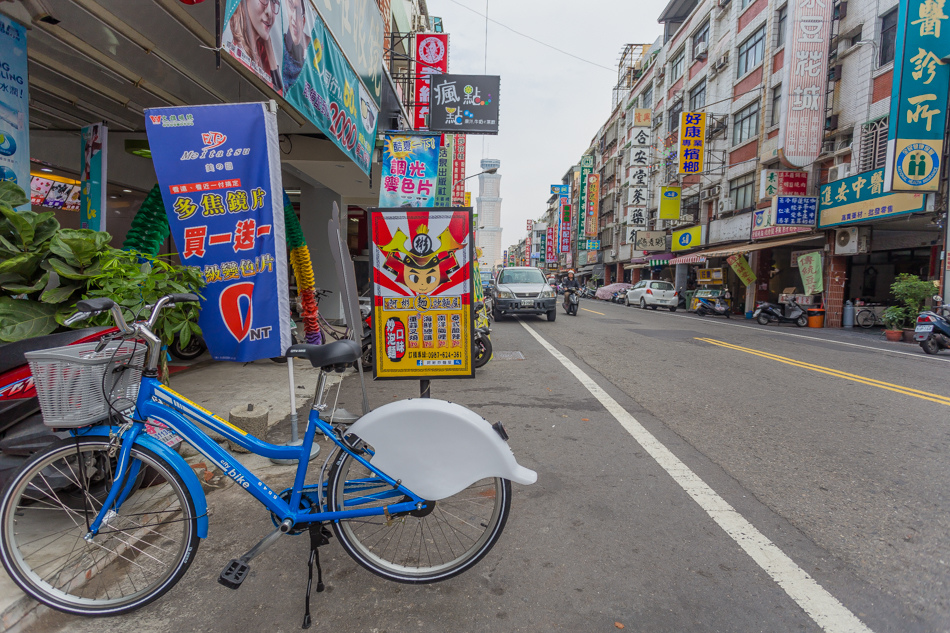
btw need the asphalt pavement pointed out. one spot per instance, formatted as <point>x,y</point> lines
<point>694,474</point>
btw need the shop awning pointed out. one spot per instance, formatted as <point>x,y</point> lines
<point>659,260</point>
<point>758,246</point>
<point>632,266</point>
<point>688,259</point>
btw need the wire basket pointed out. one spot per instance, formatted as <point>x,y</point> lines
<point>69,381</point>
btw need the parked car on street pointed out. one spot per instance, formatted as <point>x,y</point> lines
<point>523,290</point>
<point>652,293</point>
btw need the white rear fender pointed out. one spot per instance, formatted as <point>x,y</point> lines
<point>437,448</point>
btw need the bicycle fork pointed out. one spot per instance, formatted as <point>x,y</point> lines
<point>122,480</point>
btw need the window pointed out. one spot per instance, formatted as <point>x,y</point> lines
<point>745,123</point>
<point>697,97</point>
<point>744,3</point>
<point>873,144</point>
<point>751,51</point>
<point>647,97</point>
<point>661,285</point>
<point>741,190</point>
<point>776,105</point>
<point>533,276</point>
<point>675,113</point>
<point>701,37</point>
<point>888,36</point>
<point>678,65</point>
<point>780,19</point>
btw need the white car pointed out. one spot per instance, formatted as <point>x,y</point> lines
<point>652,293</point>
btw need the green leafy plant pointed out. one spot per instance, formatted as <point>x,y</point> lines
<point>913,292</point>
<point>896,317</point>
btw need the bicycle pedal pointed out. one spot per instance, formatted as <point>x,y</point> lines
<point>234,574</point>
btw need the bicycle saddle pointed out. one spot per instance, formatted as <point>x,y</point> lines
<point>325,356</point>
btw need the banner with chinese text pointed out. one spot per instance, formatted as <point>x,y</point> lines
<point>93,161</point>
<point>444,184</point>
<point>14,106</point>
<point>918,115</point>
<point>587,167</point>
<point>775,182</point>
<point>809,266</point>
<point>692,137</point>
<point>740,266</point>
<point>550,245</point>
<point>592,210</point>
<point>432,58</point>
<point>795,210</point>
<point>466,104</point>
<point>651,241</point>
<point>458,173</point>
<point>410,169</point>
<point>422,293</point>
<point>218,167</point>
<point>862,197</point>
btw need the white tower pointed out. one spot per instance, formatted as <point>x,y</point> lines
<point>488,208</point>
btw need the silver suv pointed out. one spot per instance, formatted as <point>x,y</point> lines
<point>523,290</point>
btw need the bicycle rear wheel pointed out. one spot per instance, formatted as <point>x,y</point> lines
<point>865,318</point>
<point>436,543</point>
<point>143,548</point>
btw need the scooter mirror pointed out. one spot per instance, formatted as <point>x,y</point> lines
<point>937,298</point>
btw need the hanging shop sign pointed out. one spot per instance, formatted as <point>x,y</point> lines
<point>422,293</point>
<point>465,103</point>
<point>796,254</point>
<point>587,167</point>
<point>94,141</point>
<point>740,266</point>
<point>686,239</point>
<point>432,58</point>
<point>219,175</point>
<point>592,210</point>
<point>709,276</point>
<point>692,136</point>
<point>764,224</point>
<point>468,198</point>
<point>300,59</point>
<point>862,197</point>
<point>642,117</point>
<point>651,241</point>
<point>550,245</point>
<point>805,83</point>
<point>809,266</point>
<point>918,97</point>
<point>55,192</point>
<point>795,210</point>
<point>410,166</point>
<point>777,182</point>
<point>593,245</point>
<point>443,186</point>
<point>670,203</point>
<point>458,172</point>
<point>14,106</point>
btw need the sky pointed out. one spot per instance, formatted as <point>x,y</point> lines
<point>551,104</point>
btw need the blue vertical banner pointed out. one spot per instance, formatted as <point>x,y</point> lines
<point>14,106</point>
<point>218,167</point>
<point>93,161</point>
<point>410,170</point>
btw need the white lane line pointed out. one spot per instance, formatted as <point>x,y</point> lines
<point>920,356</point>
<point>821,606</point>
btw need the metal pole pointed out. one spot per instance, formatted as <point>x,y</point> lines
<point>293,401</point>
<point>946,258</point>
<point>423,388</point>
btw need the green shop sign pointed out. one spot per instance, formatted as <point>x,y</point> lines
<point>861,198</point>
<point>587,166</point>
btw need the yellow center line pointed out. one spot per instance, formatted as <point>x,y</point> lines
<point>916,393</point>
<point>594,311</point>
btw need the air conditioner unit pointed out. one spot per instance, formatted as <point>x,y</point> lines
<point>722,61</point>
<point>726,205</point>
<point>705,194</point>
<point>835,73</point>
<point>852,240</point>
<point>613,253</point>
<point>839,171</point>
<point>700,52</point>
<point>712,71</point>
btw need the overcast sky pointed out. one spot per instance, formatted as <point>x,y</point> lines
<point>551,103</point>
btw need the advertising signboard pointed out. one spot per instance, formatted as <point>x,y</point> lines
<point>458,173</point>
<point>809,266</point>
<point>218,168</point>
<point>587,166</point>
<point>862,197</point>
<point>776,182</point>
<point>299,59</point>
<point>918,97</point>
<point>740,266</point>
<point>670,203</point>
<point>795,210</point>
<point>592,210</point>
<point>432,58</point>
<point>410,169</point>
<point>444,184</point>
<point>92,163</point>
<point>692,137</point>
<point>805,83</point>
<point>465,104</point>
<point>422,293</point>
<point>14,106</point>
<point>550,245</point>
<point>686,239</point>
<point>653,241</point>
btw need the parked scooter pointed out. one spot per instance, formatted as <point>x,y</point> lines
<point>195,348</point>
<point>766,313</point>
<point>717,308</point>
<point>933,327</point>
<point>480,335</point>
<point>571,301</point>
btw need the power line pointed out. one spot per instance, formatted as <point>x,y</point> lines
<point>535,40</point>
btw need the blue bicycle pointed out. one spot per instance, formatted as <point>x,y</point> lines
<point>110,519</point>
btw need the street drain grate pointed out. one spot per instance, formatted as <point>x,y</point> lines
<point>508,356</point>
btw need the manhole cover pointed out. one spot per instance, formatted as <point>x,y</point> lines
<point>508,356</point>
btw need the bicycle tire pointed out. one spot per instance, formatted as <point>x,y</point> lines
<point>866,318</point>
<point>452,534</point>
<point>101,578</point>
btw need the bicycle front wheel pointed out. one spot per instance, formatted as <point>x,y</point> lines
<point>865,318</point>
<point>436,543</point>
<point>144,546</point>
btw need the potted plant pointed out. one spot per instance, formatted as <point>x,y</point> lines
<point>914,293</point>
<point>894,318</point>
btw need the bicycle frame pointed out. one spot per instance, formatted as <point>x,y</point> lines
<point>160,403</point>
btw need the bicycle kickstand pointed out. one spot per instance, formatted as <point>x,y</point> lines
<point>237,569</point>
<point>319,535</point>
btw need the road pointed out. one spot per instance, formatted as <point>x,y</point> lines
<point>694,475</point>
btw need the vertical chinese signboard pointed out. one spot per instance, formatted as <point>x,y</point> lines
<point>740,266</point>
<point>805,83</point>
<point>443,187</point>
<point>218,167</point>
<point>641,148</point>
<point>587,166</point>
<point>410,166</point>
<point>432,58</point>
<point>809,266</point>
<point>422,293</point>
<point>592,208</point>
<point>92,164</point>
<point>458,173</point>
<point>14,106</point>
<point>691,140</point>
<point>550,245</point>
<point>918,97</point>
<point>671,199</point>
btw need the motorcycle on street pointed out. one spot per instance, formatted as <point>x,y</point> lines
<point>571,301</point>
<point>766,313</point>
<point>933,328</point>
<point>717,308</point>
<point>480,335</point>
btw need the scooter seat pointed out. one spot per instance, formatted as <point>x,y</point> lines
<point>12,354</point>
<point>325,356</point>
